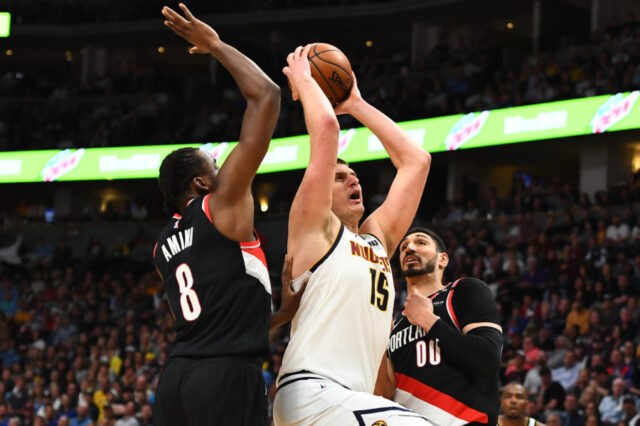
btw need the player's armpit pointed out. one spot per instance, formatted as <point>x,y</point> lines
<point>467,328</point>
<point>485,343</point>
<point>386,381</point>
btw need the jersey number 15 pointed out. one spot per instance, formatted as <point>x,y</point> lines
<point>379,290</point>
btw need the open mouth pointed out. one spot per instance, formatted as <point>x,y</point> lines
<point>355,197</point>
<point>411,260</point>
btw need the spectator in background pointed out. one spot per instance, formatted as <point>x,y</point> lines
<point>552,394</point>
<point>579,316</point>
<point>571,415</point>
<point>128,419</point>
<point>631,416</point>
<point>611,405</point>
<point>567,374</point>
<point>617,232</point>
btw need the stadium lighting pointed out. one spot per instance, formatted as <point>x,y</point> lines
<point>5,24</point>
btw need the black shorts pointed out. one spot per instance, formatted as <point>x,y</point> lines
<point>211,391</point>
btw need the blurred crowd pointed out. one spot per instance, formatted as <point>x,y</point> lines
<point>135,102</point>
<point>82,340</point>
<point>61,12</point>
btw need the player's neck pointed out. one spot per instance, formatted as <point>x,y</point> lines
<point>351,225</point>
<point>504,421</point>
<point>426,284</point>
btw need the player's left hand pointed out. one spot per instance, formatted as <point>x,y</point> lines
<point>290,298</point>
<point>202,36</point>
<point>419,310</point>
<point>346,106</point>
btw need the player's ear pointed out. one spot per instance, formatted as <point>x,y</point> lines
<point>201,184</point>
<point>444,260</point>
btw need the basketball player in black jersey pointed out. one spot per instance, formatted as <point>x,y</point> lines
<point>213,268</point>
<point>514,403</point>
<point>444,351</point>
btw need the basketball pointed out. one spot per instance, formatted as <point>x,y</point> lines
<point>331,70</point>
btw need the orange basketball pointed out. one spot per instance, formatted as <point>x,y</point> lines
<point>331,69</point>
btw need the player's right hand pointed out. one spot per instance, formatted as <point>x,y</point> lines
<point>202,36</point>
<point>419,310</point>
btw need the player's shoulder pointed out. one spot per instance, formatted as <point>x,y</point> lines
<point>470,284</point>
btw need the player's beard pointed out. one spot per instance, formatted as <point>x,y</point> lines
<point>428,268</point>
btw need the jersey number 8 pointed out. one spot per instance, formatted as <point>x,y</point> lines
<point>188,298</point>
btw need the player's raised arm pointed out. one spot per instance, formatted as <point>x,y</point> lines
<point>263,103</point>
<point>392,219</point>
<point>310,213</point>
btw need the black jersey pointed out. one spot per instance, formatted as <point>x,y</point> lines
<point>426,381</point>
<point>218,289</point>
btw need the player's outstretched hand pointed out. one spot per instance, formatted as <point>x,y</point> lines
<point>297,68</point>
<point>202,36</point>
<point>347,106</point>
<point>419,310</point>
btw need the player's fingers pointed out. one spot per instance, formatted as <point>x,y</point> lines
<point>286,266</point>
<point>186,12</point>
<point>305,50</point>
<point>196,49</point>
<point>173,16</point>
<point>286,71</point>
<point>298,51</point>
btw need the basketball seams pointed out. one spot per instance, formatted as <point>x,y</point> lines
<point>325,80</point>
<point>335,65</point>
<point>320,53</point>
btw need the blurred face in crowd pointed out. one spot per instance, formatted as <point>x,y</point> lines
<point>629,408</point>
<point>513,401</point>
<point>569,360</point>
<point>570,403</point>
<point>618,387</point>
<point>553,420</point>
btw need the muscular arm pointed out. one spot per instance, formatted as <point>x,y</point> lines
<point>312,226</point>
<point>485,343</point>
<point>392,219</point>
<point>480,335</point>
<point>233,201</point>
<point>386,381</point>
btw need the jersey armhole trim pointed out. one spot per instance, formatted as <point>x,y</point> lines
<point>205,207</point>
<point>450,310</point>
<point>331,249</point>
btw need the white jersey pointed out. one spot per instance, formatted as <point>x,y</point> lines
<point>342,326</point>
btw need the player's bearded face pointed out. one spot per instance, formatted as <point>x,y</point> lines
<point>418,255</point>
<point>421,267</point>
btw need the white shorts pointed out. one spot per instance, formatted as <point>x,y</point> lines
<point>309,399</point>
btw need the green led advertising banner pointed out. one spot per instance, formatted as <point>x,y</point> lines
<point>474,130</point>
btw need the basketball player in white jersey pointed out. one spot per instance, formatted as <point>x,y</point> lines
<point>340,332</point>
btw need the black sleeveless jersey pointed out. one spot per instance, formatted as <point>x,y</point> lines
<point>218,289</point>
<point>426,381</point>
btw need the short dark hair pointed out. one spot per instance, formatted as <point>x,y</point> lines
<point>544,371</point>
<point>176,171</point>
<point>341,161</point>
<point>440,246</point>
